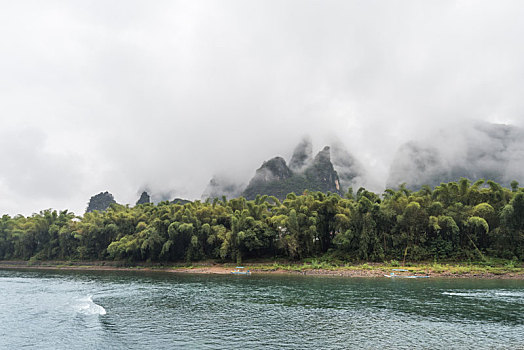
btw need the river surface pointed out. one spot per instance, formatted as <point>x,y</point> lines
<point>139,310</point>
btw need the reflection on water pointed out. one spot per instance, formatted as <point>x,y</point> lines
<point>115,310</point>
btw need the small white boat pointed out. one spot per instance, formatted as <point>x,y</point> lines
<point>239,270</point>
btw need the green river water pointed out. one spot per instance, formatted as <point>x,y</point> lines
<point>139,310</point>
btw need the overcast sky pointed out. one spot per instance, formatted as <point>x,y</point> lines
<point>125,95</point>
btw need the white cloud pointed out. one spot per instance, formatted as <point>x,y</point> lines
<point>127,94</point>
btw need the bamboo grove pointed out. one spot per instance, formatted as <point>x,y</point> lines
<point>454,221</point>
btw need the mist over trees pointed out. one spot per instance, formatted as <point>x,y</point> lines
<point>475,150</point>
<point>454,221</point>
<point>479,150</point>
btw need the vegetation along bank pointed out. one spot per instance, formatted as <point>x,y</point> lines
<point>457,221</point>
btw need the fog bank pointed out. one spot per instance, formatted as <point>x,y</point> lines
<point>127,95</point>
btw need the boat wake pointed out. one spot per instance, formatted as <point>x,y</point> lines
<point>514,296</point>
<point>86,306</point>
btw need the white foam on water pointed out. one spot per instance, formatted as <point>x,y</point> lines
<point>86,306</point>
<point>511,294</point>
<point>489,294</point>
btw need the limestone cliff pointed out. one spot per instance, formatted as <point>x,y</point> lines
<point>100,202</point>
<point>144,198</point>
<point>275,178</point>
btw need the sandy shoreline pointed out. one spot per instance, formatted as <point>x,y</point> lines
<point>218,269</point>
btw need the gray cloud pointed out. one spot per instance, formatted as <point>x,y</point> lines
<point>32,175</point>
<point>473,150</point>
<point>124,95</point>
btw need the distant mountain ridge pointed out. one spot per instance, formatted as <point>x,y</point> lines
<point>277,178</point>
<point>480,150</point>
<point>476,150</point>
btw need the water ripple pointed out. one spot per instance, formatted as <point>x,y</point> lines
<point>56,310</point>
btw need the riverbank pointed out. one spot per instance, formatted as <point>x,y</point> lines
<point>307,269</point>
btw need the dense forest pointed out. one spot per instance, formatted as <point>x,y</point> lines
<point>454,221</point>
